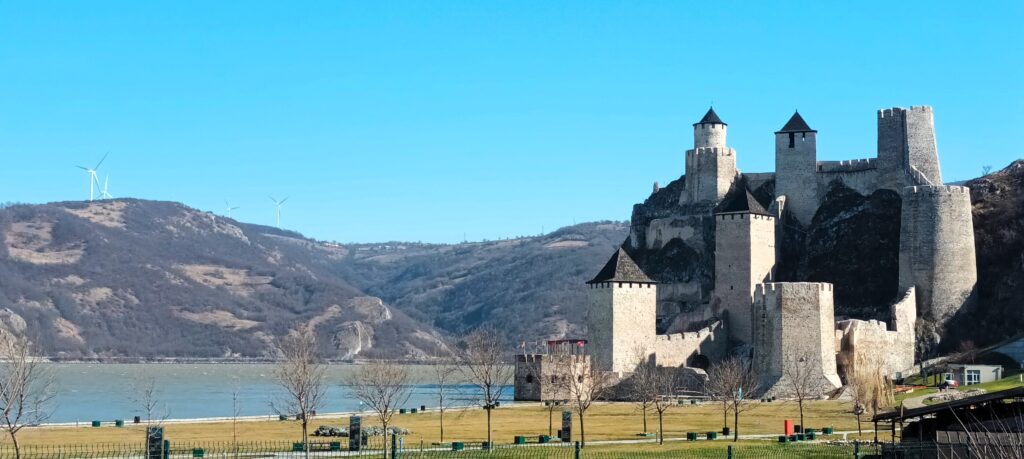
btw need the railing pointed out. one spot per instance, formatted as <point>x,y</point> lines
<point>374,448</point>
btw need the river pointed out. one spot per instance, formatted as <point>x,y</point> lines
<point>86,392</point>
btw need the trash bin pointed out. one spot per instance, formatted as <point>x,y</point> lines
<point>413,411</point>
<point>520,440</point>
<point>485,445</point>
<point>712,435</point>
<point>725,431</point>
<point>691,436</point>
<point>198,452</point>
<point>423,407</point>
<point>400,411</point>
<point>783,439</point>
<point>282,417</point>
<point>543,439</point>
<point>119,422</point>
<point>95,423</point>
<point>137,419</point>
<point>458,446</point>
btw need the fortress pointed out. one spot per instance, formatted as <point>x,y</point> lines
<point>731,303</point>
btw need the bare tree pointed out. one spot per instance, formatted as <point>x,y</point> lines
<point>444,376</point>
<point>26,387</point>
<point>718,388</point>
<point>485,365</point>
<point>236,410</point>
<point>859,385</point>
<point>384,386</point>
<point>663,384</point>
<point>583,384</point>
<point>800,380</point>
<point>640,384</point>
<point>734,381</point>
<point>144,393</point>
<point>301,374</point>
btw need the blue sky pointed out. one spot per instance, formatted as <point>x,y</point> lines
<point>425,121</point>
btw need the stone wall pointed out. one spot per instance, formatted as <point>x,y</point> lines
<point>794,320</point>
<point>744,257</point>
<point>921,150</point>
<point>796,173</point>
<point>888,349</point>
<point>937,250</point>
<point>709,135</point>
<point>541,377</point>
<point>710,173</point>
<point>906,140</point>
<point>688,348</point>
<point>621,322</point>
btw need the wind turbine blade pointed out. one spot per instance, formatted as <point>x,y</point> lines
<point>101,161</point>
<point>272,199</point>
<point>83,168</point>
<point>283,200</point>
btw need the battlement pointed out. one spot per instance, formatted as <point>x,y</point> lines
<point>691,335</point>
<point>851,165</point>
<point>710,151</point>
<point>618,284</point>
<point>771,287</point>
<point>936,190</point>
<point>899,111</point>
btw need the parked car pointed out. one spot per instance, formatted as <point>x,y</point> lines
<point>949,383</point>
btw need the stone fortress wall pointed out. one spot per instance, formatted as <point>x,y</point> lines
<point>623,326</point>
<point>937,249</point>
<point>794,325</point>
<point>712,320</point>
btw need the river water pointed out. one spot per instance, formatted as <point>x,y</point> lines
<point>105,392</point>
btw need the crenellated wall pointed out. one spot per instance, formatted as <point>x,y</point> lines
<point>794,321</point>
<point>937,250</point>
<point>621,323</point>
<point>744,258</point>
<point>906,140</point>
<point>541,377</point>
<point>683,349</point>
<point>859,341</point>
<point>710,173</point>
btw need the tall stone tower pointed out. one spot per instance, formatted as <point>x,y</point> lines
<point>710,165</point>
<point>622,314</point>
<point>796,162</point>
<point>744,257</point>
<point>907,148</point>
<point>937,250</point>
<point>794,322</point>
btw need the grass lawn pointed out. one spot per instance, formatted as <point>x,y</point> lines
<point>606,421</point>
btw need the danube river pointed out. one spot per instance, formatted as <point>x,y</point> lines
<point>87,392</point>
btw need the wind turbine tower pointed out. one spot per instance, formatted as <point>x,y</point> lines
<point>277,209</point>
<point>228,209</point>
<point>94,181</point>
<point>105,194</point>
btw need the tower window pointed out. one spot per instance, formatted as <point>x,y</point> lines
<point>792,139</point>
<point>529,379</point>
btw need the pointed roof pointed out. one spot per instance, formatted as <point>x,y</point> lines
<point>796,124</point>
<point>621,268</point>
<point>711,118</point>
<point>741,201</point>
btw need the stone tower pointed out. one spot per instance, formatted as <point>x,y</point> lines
<point>794,321</point>
<point>744,257</point>
<point>937,250</point>
<point>710,165</point>
<point>907,152</point>
<point>796,162</point>
<point>622,314</point>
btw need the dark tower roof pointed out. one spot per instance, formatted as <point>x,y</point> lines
<point>621,268</point>
<point>740,200</point>
<point>796,124</point>
<point>711,118</point>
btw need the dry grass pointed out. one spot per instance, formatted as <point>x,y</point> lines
<point>616,421</point>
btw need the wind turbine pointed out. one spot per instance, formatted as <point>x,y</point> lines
<point>94,181</point>
<point>105,194</point>
<point>277,208</point>
<point>228,208</point>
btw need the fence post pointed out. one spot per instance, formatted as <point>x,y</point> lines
<point>856,449</point>
<point>394,446</point>
<point>730,452</point>
<point>577,448</point>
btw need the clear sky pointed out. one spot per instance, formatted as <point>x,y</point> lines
<point>428,120</point>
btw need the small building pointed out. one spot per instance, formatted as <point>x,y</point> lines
<point>541,377</point>
<point>968,374</point>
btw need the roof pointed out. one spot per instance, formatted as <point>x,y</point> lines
<point>796,123</point>
<point>710,118</point>
<point>901,414</point>
<point>740,200</point>
<point>621,268</point>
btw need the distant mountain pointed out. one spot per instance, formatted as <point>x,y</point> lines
<point>529,288</point>
<point>131,278</point>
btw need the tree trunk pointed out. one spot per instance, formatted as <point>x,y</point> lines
<point>305,438</point>
<point>725,413</point>
<point>735,422</point>
<point>489,428</point>
<point>386,442</point>
<point>859,432</point>
<point>800,403</point>
<point>551,414</point>
<point>644,408</point>
<point>583,438</point>
<point>661,429</point>
<point>17,448</point>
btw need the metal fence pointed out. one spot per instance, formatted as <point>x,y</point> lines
<point>374,448</point>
